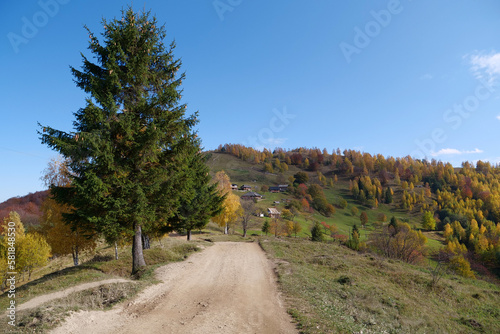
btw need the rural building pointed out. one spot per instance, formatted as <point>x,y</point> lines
<point>279,188</point>
<point>274,189</point>
<point>234,186</point>
<point>246,187</point>
<point>251,195</point>
<point>273,213</point>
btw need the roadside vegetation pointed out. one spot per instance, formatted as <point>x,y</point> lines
<point>329,288</point>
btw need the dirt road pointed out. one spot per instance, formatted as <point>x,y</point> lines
<point>227,288</point>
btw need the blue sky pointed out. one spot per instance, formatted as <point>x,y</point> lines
<point>398,78</point>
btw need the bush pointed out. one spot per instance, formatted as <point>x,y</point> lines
<point>316,233</point>
<point>342,203</point>
<point>461,266</point>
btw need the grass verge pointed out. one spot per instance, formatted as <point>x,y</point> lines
<point>331,289</point>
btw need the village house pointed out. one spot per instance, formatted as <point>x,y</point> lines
<point>251,195</point>
<point>283,187</point>
<point>273,213</point>
<point>274,189</point>
<point>246,187</point>
<point>234,186</point>
<point>279,188</point>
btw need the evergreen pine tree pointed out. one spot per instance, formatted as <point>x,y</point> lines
<point>266,227</point>
<point>316,233</point>
<point>200,199</point>
<point>393,226</point>
<point>131,144</point>
<point>388,196</point>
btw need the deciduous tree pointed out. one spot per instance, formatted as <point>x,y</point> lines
<point>231,207</point>
<point>62,237</point>
<point>248,213</point>
<point>363,217</point>
<point>428,221</point>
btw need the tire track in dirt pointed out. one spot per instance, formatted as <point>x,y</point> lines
<point>228,288</point>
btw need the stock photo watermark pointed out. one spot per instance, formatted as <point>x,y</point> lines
<point>454,117</point>
<point>277,123</point>
<point>363,36</point>
<point>224,6</point>
<point>11,273</point>
<point>30,26</point>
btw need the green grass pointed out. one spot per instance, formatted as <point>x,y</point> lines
<point>331,289</point>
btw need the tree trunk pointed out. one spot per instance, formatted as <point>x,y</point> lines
<point>137,254</point>
<point>189,235</point>
<point>145,241</point>
<point>116,251</point>
<point>75,256</point>
<point>244,233</point>
<point>226,229</point>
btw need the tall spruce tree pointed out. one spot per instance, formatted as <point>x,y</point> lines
<point>201,200</point>
<point>132,143</point>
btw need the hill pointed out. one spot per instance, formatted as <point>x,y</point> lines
<point>28,207</point>
<point>463,201</point>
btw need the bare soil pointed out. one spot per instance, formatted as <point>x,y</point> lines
<point>228,288</point>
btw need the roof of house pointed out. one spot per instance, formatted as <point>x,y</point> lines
<point>283,185</point>
<point>251,194</point>
<point>273,211</point>
<point>274,188</point>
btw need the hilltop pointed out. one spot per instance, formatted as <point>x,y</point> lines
<point>461,206</point>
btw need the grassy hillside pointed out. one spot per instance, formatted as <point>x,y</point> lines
<point>242,172</point>
<point>331,289</point>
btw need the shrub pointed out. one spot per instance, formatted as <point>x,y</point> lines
<point>316,233</point>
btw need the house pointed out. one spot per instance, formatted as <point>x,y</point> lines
<point>251,195</point>
<point>279,188</point>
<point>234,186</point>
<point>273,213</point>
<point>246,187</point>
<point>283,187</point>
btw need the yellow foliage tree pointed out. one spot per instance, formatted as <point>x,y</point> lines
<point>474,229</point>
<point>31,250</point>
<point>232,209</point>
<point>34,252</point>
<point>461,266</point>
<point>297,227</point>
<point>62,239</point>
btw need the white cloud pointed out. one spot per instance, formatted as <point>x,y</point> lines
<point>498,117</point>
<point>426,76</point>
<point>276,141</point>
<point>454,151</point>
<point>270,143</point>
<point>485,66</point>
